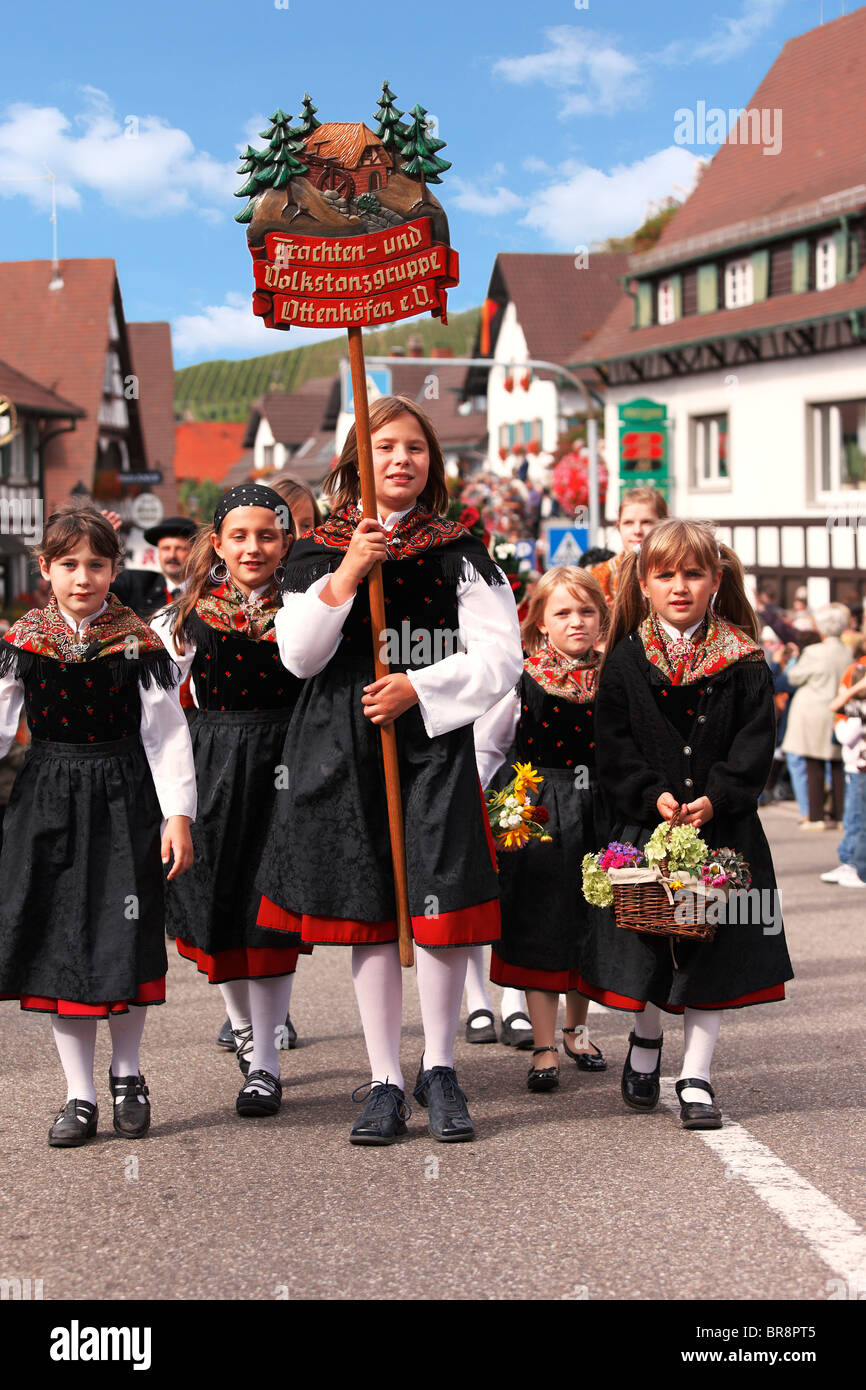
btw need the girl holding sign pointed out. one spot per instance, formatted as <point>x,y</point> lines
<point>453,645</point>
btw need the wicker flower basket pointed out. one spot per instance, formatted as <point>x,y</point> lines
<point>644,901</point>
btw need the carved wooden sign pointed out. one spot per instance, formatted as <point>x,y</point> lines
<point>341,225</point>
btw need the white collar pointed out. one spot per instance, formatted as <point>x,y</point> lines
<point>79,624</point>
<point>391,520</point>
<point>171,585</point>
<point>675,632</point>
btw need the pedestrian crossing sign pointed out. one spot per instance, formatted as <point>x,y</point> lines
<point>566,544</point>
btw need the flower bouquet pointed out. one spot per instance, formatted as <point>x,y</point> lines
<point>665,888</point>
<point>514,821</point>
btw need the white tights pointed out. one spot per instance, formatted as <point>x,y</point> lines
<point>378,979</point>
<point>75,1040</point>
<point>477,997</point>
<point>700,1032</point>
<point>263,1005</point>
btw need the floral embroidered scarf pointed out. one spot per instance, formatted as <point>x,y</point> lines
<point>571,678</point>
<point>414,533</point>
<point>228,609</point>
<point>46,632</point>
<point>713,646</point>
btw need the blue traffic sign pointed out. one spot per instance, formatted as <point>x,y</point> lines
<point>566,544</point>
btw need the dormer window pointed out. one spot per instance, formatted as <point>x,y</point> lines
<point>739,288</point>
<point>825,263</point>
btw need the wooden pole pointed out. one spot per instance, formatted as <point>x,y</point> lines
<point>377,625</point>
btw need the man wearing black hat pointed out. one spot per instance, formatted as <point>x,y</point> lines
<point>145,591</point>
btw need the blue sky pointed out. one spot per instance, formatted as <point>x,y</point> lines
<point>559,122</point>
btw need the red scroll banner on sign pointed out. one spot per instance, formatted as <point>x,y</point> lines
<point>353,281</point>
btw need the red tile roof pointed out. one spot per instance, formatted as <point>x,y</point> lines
<point>454,430</point>
<point>343,141</point>
<point>60,338</point>
<point>29,395</point>
<point>152,363</point>
<point>207,448</point>
<point>292,415</point>
<point>818,83</point>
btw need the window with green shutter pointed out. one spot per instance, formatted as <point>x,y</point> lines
<point>841,239</point>
<point>760,274</point>
<point>644,304</point>
<point>800,267</point>
<point>708,289</point>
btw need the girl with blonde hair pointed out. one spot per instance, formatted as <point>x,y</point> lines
<point>548,721</point>
<point>686,723</point>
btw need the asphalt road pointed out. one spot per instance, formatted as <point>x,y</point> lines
<point>564,1196</point>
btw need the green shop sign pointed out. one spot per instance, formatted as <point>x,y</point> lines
<point>643,445</point>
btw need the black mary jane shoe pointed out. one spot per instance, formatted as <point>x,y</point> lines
<point>586,1061</point>
<point>384,1115</point>
<point>695,1114</point>
<point>521,1038</point>
<point>252,1101</point>
<point>75,1124</point>
<point>487,1034</point>
<point>226,1038</point>
<point>542,1078</point>
<point>288,1036</point>
<point>640,1089</point>
<point>243,1047</point>
<point>448,1118</point>
<point>131,1116</point>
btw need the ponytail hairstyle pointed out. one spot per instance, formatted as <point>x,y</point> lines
<point>667,546</point>
<point>343,483</point>
<point>200,560</point>
<point>579,583</point>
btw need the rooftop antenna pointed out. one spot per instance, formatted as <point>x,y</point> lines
<point>56,281</point>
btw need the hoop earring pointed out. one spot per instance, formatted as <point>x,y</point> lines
<point>280,573</point>
<point>214,575</point>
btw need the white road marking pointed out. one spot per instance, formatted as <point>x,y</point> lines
<point>832,1234</point>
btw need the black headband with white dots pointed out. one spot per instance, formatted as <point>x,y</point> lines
<point>250,495</point>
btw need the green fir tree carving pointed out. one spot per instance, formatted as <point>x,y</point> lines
<point>390,129</point>
<point>308,117</point>
<point>281,162</point>
<point>420,160</point>
<point>251,161</point>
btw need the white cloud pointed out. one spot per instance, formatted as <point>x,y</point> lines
<point>592,74</point>
<point>138,163</point>
<point>482,198</point>
<point>233,326</point>
<point>586,205</point>
<point>729,39</point>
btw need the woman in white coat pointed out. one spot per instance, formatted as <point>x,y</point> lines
<point>816,676</point>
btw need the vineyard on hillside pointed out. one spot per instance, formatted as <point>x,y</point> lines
<point>223,390</point>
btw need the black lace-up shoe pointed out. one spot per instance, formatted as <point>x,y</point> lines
<point>384,1115</point>
<point>75,1124</point>
<point>448,1116</point>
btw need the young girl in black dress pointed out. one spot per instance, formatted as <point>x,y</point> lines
<point>82,925</point>
<point>686,720</point>
<point>548,722</point>
<point>222,632</point>
<point>453,647</point>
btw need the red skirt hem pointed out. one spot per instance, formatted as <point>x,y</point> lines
<point>468,926</point>
<point>152,992</point>
<point>241,962</point>
<point>612,1000</point>
<point>521,977</point>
